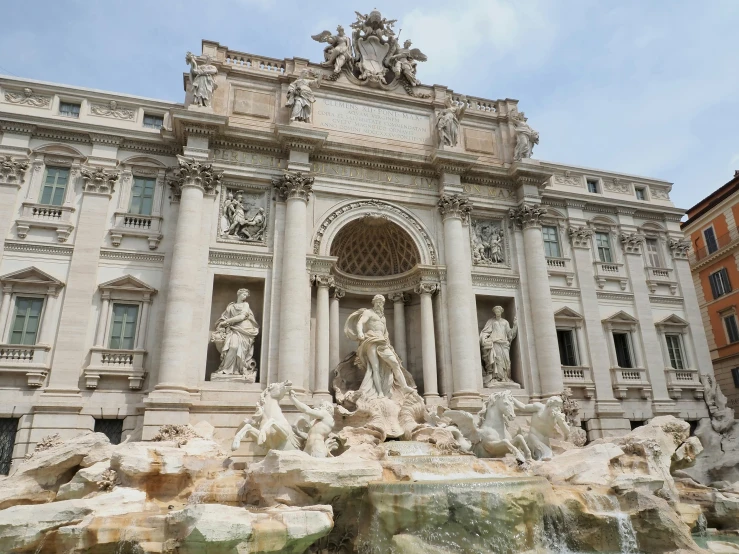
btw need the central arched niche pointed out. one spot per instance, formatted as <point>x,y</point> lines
<point>374,246</point>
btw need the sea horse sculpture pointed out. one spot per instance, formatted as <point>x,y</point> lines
<point>268,426</point>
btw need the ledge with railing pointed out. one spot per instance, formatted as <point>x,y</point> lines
<point>113,362</point>
<point>29,360</point>
<point>719,242</point>
<point>579,377</point>
<point>631,378</point>
<point>680,380</point>
<point>44,216</point>
<point>561,267</point>
<point>148,227</point>
<point>661,276</point>
<point>610,271</point>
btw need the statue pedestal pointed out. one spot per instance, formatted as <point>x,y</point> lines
<point>233,378</point>
<point>201,109</point>
<point>502,385</point>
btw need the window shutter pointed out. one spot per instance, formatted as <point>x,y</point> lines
<point>714,288</point>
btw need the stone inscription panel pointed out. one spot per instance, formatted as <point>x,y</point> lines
<point>360,119</point>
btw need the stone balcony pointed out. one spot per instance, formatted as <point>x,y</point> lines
<point>44,216</point>
<point>657,276</point>
<point>148,227</point>
<point>29,360</point>
<point>610,271</point>
<point>561,267</point>
<point>108,362</point>
<point>681,380</point>
<point>579,377</point>
<point>632,378</point>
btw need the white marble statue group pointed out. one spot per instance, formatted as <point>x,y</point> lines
<point>384,392</point>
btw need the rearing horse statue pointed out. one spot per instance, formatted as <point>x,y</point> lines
<point>268,426</point>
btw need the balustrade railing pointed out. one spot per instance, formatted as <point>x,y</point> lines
<point>252,62</point>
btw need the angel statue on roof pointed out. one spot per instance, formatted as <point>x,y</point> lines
<point>339,49</point>
<point>403,61</point>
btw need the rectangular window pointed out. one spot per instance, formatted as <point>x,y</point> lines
<point>26,320</point>
<point>720,283</point>
<point>567,350</point>
<point>123,328</point>
<point>142,196</point>
<point>623,350</point>
<point>675,350</point>
<point>640,193</point>
<point>593,185</point>
<point>153,121</point>
<point>603,242</point>
<point>69,109</point>
<point>55,186</point>
<point>653,257</point>
<point>711,243</point>
<point>551,242</point>
<point>111,428</point>
<point>732,330</point>
<point>735,376</point>
<point>8,428</point>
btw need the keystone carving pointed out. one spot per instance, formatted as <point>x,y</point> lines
<point>455,205</point>
<point>580,236</point>
<point>293,185</point>
<point>194,174</point>
<point>527,215</point>
<point>99,180</point>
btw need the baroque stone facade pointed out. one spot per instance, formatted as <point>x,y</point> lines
<point>129,226</point>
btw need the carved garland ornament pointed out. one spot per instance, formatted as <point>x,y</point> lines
<point>12,170</point>
<point>580,236</point>
<point>112,110</point>
<point>195,174</point>
<point>28,98</point>
<point>527,215</point>
<point>293,185</point>
<point>99,180</point>
<point>455,205</point>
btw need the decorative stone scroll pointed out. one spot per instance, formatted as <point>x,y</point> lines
<point>455,205</point>
<point>631,242</point>
<point>580,236</point>
<point>112,110</point>
<point>194,174</point>
<point>527,215</point>
<point>28,98</point>
<point>293,184</point>
<point>679,248</point>
<point>12,171</point>
<point>99,180</point>
<point>487,243</point>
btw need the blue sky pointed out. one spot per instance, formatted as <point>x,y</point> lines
<point>644,87</point>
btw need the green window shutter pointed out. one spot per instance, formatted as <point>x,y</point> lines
<point>26,320</point>
<point>123,328</point>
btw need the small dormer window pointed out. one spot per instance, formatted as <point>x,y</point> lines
<point>69,109</point>
<point>593,186</point>
<point>153,121</point>
<point>641,194</point>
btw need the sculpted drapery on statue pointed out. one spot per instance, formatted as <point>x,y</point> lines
<point>526,137</point>
<point>495,341</point>
<point>300,97</point>
<point>447,121</point>
<point>202,79</point>
<point>234,338</point>
<point>339,49</point>
<point>384,373</point>
<point>243,220</point>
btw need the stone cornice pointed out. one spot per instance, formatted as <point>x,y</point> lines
<point>529,172</point>
<point>112,140</point>
<point>299,137</point>
<point>457,163</point>
<point>15,127</point>
<point>240,259</point>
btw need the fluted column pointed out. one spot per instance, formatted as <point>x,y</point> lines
<point>334,327</point>
<point>192,180</point>
<point>428,340</point>
<point>527,216</point>
<point>5,310</point>
<point>295,189</point>
<point>466,376</point>
<point>322,283</point>
<point>399,299</point>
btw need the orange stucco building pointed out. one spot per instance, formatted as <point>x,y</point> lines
<point>712,229</point>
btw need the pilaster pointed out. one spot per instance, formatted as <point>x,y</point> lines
<point>12,174</point>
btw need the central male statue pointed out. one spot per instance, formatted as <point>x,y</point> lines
<point>384,373</point>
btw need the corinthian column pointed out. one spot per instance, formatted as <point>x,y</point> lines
<point>295,189</point>
<point>526,217</point>
<point>191,181</point>
<point>466,375</point>
<point>399,299</point>
<point>322,282</point>
<point>428,341</point>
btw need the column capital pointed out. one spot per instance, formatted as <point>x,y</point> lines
<point>98,180</point>
<point>455,206</point>
<point>12,170</point>
<point>580,237</point>
<point>679,248</point>
<point>632,242</point>
<point>294,184</point>
<point>398,297</point>
<point>322,280</point>
<point>426,288</point>
<point>337,292</point>
<point>192,173</point>
<point>527,215</point>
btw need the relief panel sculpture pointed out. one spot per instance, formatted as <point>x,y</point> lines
<point>487,243</point>
<point>243,216</point>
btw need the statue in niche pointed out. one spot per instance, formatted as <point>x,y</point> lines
<point>339,49</point>
<point>447,121</point>
<point>202,79</point>
<point>495,341</point>
<point>384,372</point>
<point>300,96</point>
<point>403,61</point>
<point>319,440</point>
<point>526,137</point>
<point>487,243</point>
<point>547,422</point>
<point>243,220</point>
<point>234,338</point>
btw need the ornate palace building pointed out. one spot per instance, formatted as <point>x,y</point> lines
<point>129,227</point>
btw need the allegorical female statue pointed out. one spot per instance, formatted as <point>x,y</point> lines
<point>300,96</point>
<point>526,137</point>
<point>203,79</point>
<point>447,121</point>
<point>495,341</point>
<point>234,338</point>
